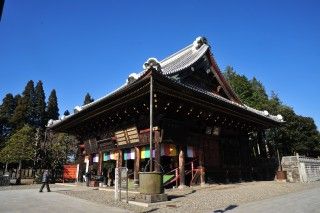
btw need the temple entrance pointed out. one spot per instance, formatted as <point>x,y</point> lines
<point>108,171</point>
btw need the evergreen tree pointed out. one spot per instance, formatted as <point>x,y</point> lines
<point>40,106</point>
<point>66,113</point>
<point>6,111</point>
<point>52,107</point>
<point>24,112</point>
<point>19,148</point>
<point>61,149</point>
<point>241,85</point>
<point>87,99</point>
<point>297,135</point>
<point>259,99</point>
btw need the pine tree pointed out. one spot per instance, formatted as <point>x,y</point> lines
<point>28,94</point>
<point>6,111</point>
<point>66,113</point>
<point>240,84</point>
<point>40,105</point>
<point>52,107</point>
<point>16,99</point>
<point>24,112</point>
<point>259,97</point>
<point>87,99</point>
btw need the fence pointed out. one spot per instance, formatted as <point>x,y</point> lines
<point>301,169</point>
<point>4,180</point>
<point>25,173</point>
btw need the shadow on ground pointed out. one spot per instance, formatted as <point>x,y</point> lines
<point>151,210</point>
<point>170,197</point>
<point>230,207</point>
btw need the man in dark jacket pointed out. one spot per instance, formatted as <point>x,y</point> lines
<point>45,180</point>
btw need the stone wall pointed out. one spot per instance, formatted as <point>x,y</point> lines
<point>310,169</point>
<point>301,169</point>
<point>290,164</point>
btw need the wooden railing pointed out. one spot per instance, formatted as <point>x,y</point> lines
<point>195,174</point>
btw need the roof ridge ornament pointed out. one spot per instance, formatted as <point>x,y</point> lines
<point>50,122</point>
<point>199,42</point>
<point>77,109</point>
<point>152,63</point>
<point>132,78</point>
<point>280,117</point>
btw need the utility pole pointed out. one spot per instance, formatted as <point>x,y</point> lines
<point>151,121</point>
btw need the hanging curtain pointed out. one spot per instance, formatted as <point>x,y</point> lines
<point>95,158</point>
<point>106,156</point>
<point>129,154</point>
<point>109,156</point>
<point>145,152</point>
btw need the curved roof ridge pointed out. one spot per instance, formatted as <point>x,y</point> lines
<point>183,60</point>
<point>103,97</point>
<point>176,53</point>
<point>248,108</point>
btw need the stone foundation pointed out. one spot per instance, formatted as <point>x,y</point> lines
<point>151,198</point>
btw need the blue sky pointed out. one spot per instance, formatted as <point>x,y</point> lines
<point>79,46</point>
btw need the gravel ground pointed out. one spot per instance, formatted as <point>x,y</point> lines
<point>202,199</point>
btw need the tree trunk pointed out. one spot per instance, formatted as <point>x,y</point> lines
<point>6,168</point>
<point>19,173</point>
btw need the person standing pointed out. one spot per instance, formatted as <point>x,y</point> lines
<point>45,180</point>
<point>88,178</point>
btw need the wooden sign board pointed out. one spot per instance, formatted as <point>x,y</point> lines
<point>127,136</point>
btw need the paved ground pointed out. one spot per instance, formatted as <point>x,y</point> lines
<point>264,196</point>
<point>30,200</point>
<point>204,199</point>
<point>305,201</point>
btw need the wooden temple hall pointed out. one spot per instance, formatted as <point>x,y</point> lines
<point>200,130</point>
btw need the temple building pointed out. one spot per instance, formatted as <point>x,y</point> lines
<point>200,130</point>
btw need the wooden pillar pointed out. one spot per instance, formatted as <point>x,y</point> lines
<point>80,161</point>
<point>119,159</point>
<point>136,166</point>
<point>157,151</point>
<point>267,147</point>
<point>181,168</point>
<point>261,144</point>
<point>202,168</point>
<point>100,163</point>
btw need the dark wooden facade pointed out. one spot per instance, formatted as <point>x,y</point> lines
<point>193,107</point>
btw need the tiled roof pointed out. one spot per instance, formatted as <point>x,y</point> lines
<point>277,118</point>
<point>180,60</point>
